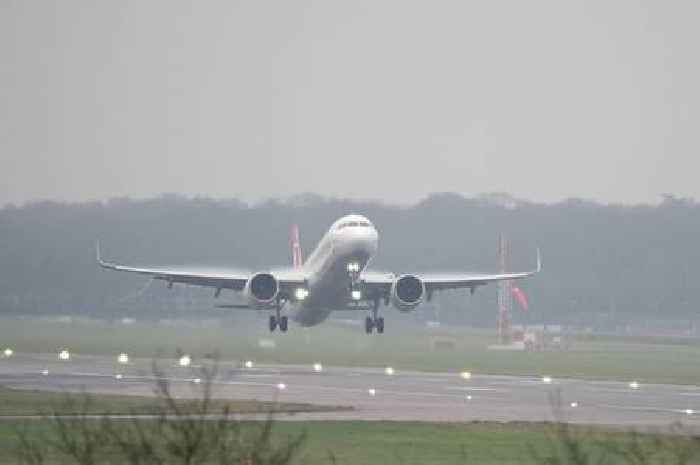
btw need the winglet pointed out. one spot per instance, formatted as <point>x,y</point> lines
<point>98,255</point>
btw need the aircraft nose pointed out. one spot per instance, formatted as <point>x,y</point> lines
<point>357,240</point>
<point>364,239</point>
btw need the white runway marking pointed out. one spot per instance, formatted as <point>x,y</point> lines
<point>469,388</point>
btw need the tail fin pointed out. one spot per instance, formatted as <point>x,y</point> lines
<point>297,257</point>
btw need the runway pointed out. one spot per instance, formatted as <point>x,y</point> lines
<point>376,393</point>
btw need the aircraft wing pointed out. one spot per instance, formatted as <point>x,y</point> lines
<point>207,277</point>
<point>380,283</point>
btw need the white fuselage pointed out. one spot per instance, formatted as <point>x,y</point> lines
<point>351,239</point>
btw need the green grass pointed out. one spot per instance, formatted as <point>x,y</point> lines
<point>19,402</point>
<point>364,443</point>
<point>403,348</point>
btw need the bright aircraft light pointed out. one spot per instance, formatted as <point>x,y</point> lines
<point>353,267</point>
<point>281,386</point>
<point>574,404</point>
<point>45,372</point>
<point>469,397</point>
<point>634,385</point>
<point>372,392</point>
<point>248,364</point>
<point>123,358</point>
<point>8,352</point>
<point>356,295</point>
<point>118,376</point>
<point>64,355</point>
<point>689,411</point>
<point>197,380</point>
<point>466,375</point>
<point>301,293</point>
<point>547,379</point>
<point>185,361</point>
<point>388,371</point>
<point>318,368</point>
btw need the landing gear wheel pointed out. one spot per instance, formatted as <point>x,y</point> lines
<point>379,323</point>
<point>369,325</point>
<point>283,324</point>
<point>273,323</point>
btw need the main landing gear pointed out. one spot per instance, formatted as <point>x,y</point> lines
<point>278,321</point>
<point>374,322</point>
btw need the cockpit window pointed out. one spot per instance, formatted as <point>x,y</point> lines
<point>361,224</point>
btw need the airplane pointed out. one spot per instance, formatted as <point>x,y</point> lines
<point>334,277</point>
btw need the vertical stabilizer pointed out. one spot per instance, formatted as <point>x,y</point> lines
<point>297,257</point>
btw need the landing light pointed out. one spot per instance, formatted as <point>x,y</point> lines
<point>123,358</point>
<point>118,376</point>
<point>388,371</point>
<point>197,380</point>
<point>372,392</point>
<point>469,397</point>
<point>634,385</point>
<point>45,372</point>
<point>547,379</point>
<point>466,375</point>
<point>281,386</point>
<point>185,361</point>
<point>574,404</point>
<point>301,293</point>
<point>248,364</point>
<point>356,295</point>
<point>64,355</point>
<point>318,368</point>
<point>8,352</point>
<point>689,411</point>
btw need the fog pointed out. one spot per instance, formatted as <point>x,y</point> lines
<point>386,100</point>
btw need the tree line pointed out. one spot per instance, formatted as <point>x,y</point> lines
<point>602,262</point>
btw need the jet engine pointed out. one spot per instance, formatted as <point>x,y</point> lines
<point>261,290</point>
<point>407,292</point>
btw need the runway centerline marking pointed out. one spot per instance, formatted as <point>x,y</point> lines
<point>474,388</point>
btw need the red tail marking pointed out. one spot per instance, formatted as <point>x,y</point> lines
<point>297,257</point>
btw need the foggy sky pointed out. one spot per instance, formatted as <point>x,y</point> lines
<point>391,100</point>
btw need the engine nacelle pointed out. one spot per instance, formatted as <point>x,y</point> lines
<point>407,292</point>
<point>261,290</point>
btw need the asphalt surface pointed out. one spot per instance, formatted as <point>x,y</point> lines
<point>375,394</point>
